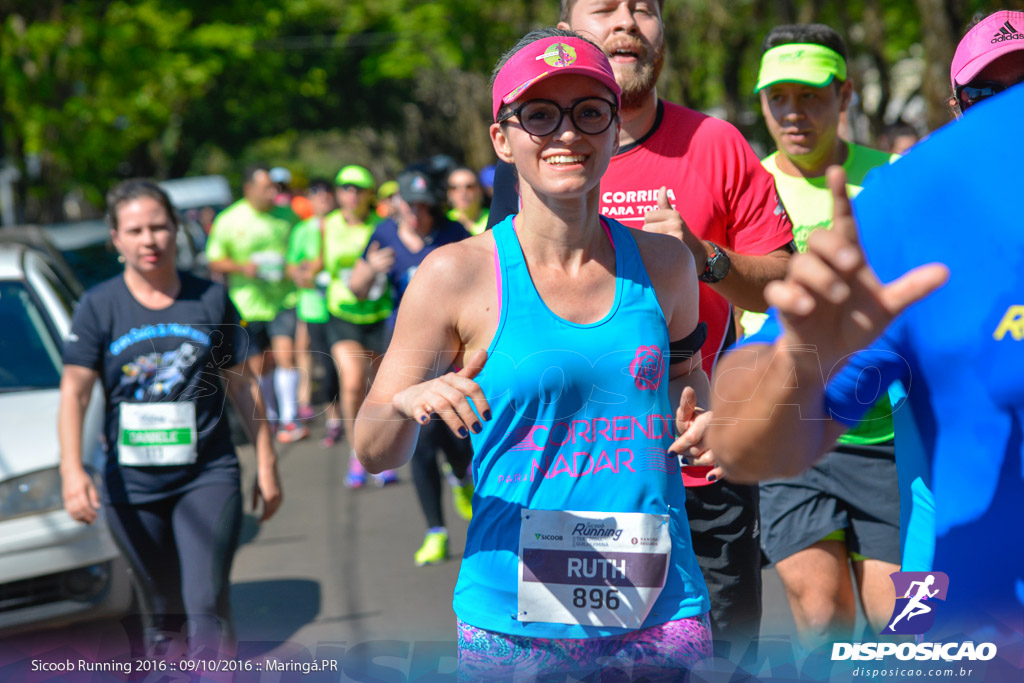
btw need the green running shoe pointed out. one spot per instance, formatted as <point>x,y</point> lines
<point>434,549</point>
<point>462,498</point>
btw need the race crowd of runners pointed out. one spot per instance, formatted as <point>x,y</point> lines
<point>544,334</point>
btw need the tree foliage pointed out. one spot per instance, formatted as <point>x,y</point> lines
<point>95,90</point>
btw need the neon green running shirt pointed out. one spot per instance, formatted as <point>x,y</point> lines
<point>305,245</point>
<point>343,246</point>
<point>479,226</point>
<point>243,234</point>
<point>808,202</point>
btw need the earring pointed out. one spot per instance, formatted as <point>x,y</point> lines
<point>120,258</point>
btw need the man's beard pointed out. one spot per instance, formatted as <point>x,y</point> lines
<point>638,82</point>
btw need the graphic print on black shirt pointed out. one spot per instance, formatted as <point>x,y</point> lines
<point>170,360</point>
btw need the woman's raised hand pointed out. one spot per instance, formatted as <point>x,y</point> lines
<point>447,397</point>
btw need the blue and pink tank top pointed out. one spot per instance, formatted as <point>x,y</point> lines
<point>581,422</point>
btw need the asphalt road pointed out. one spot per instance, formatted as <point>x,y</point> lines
<point>331,577</point>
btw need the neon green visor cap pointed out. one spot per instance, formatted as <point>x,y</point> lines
<point>808,63</point>
<point>355,175</point>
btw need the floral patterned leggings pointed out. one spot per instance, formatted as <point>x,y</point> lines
<point>660,653</point>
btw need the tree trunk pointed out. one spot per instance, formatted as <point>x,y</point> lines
<point>939,35</point>
<point>874,43</point>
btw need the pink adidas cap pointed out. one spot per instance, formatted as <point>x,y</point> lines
<point>549,57</point>
<point>991,38</point>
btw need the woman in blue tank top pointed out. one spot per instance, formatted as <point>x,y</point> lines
<point>579,548</point>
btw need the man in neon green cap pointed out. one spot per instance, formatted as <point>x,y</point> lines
<point>846,508</point>
<point>804,90</point>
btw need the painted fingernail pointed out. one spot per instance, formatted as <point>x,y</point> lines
<point>487,415</point>
<point>423,418</point>
<point>477,428</point>
<point>712,477</point>
<point>463,432</point>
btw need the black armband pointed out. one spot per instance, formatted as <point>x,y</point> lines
<point>683,349</point>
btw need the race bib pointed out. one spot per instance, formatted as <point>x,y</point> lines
<point>269,265</point>
<point>322,281</point>
<point>157,434</point>
<point>591,568</point>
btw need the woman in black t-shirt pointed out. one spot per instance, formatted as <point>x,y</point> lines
<point>168,348</point>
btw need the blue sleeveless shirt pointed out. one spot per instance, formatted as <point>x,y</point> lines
<point>581,422</point>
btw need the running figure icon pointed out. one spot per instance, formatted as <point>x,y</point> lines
<point>916,607</point>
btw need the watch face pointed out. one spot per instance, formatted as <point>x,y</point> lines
<point>720,268</point>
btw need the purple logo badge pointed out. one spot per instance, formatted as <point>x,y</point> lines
<point>916,593</point>
<point>647,368</point>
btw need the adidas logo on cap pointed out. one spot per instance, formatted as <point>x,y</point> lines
<point>1007,32</point>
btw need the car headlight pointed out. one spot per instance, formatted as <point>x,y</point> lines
<point>31,494</point>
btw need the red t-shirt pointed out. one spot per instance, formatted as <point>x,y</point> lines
<point>716,183</point>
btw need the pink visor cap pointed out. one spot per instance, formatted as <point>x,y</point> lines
<point>550,57</point>
<point>991,38</point>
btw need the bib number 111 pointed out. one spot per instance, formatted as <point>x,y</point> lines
<point>596,598</point>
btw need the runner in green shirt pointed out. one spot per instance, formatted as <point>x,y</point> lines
<point>355,327</point>
<point>807,198</point>
<point>248,244</point>
<point>846,508</point>
<point>306,268</point>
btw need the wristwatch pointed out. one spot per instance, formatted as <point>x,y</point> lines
<point>716,267</point>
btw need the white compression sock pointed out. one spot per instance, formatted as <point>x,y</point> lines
<point>286,381</point>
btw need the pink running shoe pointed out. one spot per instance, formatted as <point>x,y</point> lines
<point>332,436</point>
<point>306,413</point>
<point>292,432</point>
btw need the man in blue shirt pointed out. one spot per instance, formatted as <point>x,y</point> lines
<point>958,352</point>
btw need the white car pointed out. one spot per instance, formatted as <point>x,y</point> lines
<point>53,570</point>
